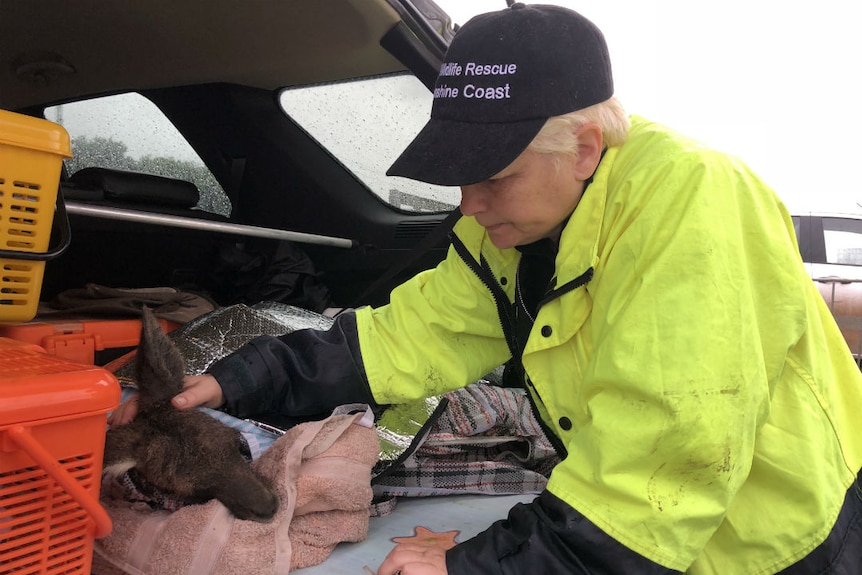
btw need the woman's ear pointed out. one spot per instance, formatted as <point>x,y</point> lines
<point>590,146</point>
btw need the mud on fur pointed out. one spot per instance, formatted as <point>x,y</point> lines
<point>184,453</point>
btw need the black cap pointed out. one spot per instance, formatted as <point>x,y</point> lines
<point>504,75</point>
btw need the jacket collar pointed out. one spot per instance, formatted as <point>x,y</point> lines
<point>579,241</point>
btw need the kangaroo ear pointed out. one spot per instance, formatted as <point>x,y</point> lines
<point>160,367</point>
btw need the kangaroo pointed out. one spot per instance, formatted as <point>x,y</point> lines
<point>187,454</point>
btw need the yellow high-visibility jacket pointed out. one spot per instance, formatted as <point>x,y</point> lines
<point>702,390</point>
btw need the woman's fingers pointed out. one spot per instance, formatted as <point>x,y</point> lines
<point>199,390</point>
<point>124,413</point>
<point>414,559</point>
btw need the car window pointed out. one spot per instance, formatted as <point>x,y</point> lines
<point>365,124</point>
<point>843,238</point>
<point>129,132</point>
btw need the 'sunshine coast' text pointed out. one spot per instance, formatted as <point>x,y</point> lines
<point>454,69</point>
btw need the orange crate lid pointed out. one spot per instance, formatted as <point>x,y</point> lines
<point>106,333</point>
<point>36,386</point>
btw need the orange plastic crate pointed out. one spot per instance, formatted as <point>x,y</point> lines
<point>80,339</point>
<point>52,435</point>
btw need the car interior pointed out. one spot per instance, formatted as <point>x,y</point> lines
<point>216,70</point>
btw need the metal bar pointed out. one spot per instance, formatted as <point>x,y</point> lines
<point>110,213</point>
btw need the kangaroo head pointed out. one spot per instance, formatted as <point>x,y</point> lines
<point>187,454</point>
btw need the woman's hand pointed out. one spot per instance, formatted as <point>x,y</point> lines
<point>414,559</point>
<point>197,390</point>
<point>124,413</point>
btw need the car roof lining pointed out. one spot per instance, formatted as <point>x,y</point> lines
<point>55,48</point>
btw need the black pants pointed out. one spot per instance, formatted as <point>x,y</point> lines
<point>841,553</point>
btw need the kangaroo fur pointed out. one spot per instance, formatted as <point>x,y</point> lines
<point>185,453</point>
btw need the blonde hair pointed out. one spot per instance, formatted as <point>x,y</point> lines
<point>558,135</point>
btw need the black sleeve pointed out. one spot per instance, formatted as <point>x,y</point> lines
<point>305,373</point>
<point>546,536</point>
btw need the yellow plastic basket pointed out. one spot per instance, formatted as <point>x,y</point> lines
<point>31,157</point>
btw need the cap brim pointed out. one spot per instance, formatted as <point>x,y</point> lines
<point>450,153</point>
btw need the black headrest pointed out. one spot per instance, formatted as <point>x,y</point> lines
<point>137,187</point>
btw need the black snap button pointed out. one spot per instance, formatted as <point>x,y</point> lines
<point>503,281</point>
<point>565,423</point>
<point>547,331</point>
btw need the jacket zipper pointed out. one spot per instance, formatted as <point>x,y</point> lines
<point>507,322</point>
<point>519,295</point>
<point>486,276</point>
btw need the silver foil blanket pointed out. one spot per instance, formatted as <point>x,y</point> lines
<point>212,336</point>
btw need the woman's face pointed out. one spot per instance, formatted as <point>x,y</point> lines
<point>527,201</point>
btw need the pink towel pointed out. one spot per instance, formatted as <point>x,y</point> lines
<point>322,473</point>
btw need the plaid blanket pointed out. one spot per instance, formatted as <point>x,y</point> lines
<point>485,441</point>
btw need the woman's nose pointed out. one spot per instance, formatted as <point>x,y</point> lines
<point>472,200</point>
